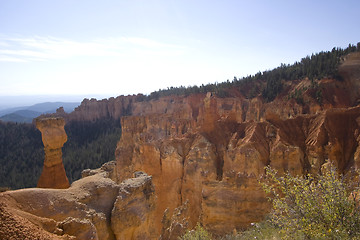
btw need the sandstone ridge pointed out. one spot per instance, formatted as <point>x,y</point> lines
<point>334,94</point>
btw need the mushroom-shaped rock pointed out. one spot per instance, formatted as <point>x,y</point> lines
<point>53,136</point>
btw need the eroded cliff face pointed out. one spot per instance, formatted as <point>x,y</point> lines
<point>183,160</point>
<point>53,136</point>
<point>210,152</point>
<point>214,160</point>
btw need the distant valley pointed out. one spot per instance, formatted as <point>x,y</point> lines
<point>27,113</point>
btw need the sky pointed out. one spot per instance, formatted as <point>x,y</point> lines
<point>107,48</point>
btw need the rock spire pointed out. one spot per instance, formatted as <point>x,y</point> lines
<point>53,136</point>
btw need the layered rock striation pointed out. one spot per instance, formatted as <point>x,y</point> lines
<point>53,136</point>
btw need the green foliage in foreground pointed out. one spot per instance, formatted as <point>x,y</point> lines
<point>309,207</point>
<point>315,207</point>
<point>263,230</point>
<point>199,233</point>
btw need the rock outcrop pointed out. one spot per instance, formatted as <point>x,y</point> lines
<point>214,162</point>
<point>53,136</point>
<point>94,207</point>
<point>132,214</point>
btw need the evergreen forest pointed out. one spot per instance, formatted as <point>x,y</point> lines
<point>269,83</point>
<point>21,155</point>
<point>89,145</point>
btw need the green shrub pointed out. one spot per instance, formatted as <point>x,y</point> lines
<point>320,207</point>
<point>199,233</point>
<point>261,230</point>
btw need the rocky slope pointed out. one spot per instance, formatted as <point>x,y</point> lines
<point>183,160</point>
<point>94,207</point>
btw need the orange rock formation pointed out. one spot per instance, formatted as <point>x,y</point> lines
<point>53,136</point>
<point>214,161</point>
<point>210,152</point>
<point>202,155</point>
<point>94,207</point>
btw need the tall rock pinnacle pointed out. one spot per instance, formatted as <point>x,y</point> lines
<point>53,136</point>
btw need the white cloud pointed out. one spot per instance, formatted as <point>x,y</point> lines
<point>10,59</point>
<point>112,65</point>
<point>47,48</point>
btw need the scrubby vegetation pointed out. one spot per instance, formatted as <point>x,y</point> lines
<point>315,207</point>
<point>198,233</point>
<point>318,207</point>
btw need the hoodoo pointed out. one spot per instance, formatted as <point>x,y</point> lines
<point>53,136</point>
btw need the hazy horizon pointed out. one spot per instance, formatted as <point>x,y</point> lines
<point>29,100</point>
